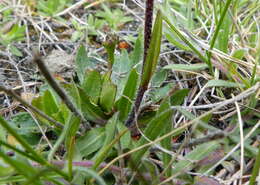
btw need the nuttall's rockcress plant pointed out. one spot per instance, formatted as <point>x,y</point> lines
<point>87,124</point>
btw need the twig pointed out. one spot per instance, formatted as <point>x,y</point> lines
<point>34,109</point>
<point>209,137</point>
<point>77,5</point>
<point>62,94</point>
<point>240,122</point>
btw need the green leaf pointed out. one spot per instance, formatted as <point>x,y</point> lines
<point>154,129</point>
<point>190,67</point>
<point>110,46</point>
<point>63,114</point>
<point>73,92</point>
<point>256,168</point>
<point>21,140</point>
<point>69,129</point>
<point>153,170</point>
<point>21,166</point>
<point>91,141</point>
<point>26,127</point>
<point>202,123</point>
<point>110,131</point>
<point>91,111</point>
<point>222,83</point>
<point>183,38</point>
<point>108,94</point>
<point>70,141</point>
<point>49,103</point>
<point>178,97</point>
<point>159,77</point>
<point>158,93</point>
<point>91,173</point>
<point>6,171</point>
<point>197,154</point>
<point>239,53</point>
<point>122,63</point>
<point>38,103</point>
<point>82,62</point>
<point>136,55</point>
<point>167,144</point>
<point>92,85</point>
<point>153,51</point>
<point>125,140</point>
<point>223,36</point>
<point>172,38</point>
<point>28,148</point>
<point>73,126</point>
<point>14,50</point>
<point>125,102</point>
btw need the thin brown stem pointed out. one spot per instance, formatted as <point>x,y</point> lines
<point>52,82</point>
<point>34,109</point>
<point>199,141</point>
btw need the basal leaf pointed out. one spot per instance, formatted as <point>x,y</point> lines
<point>159,77</point>
<point>91,141</point>
<point>108,94</point>
<point>82,61</point>
<point>110,131</point>
<point>110,46</point>
<point>154,129</point>
<point>178,96</point>
<point>73,92</point>
<point>91,111</point>
<point>92,85</point>
<point>125,102</point>
<point>136,55</point>
<point>49,103</point>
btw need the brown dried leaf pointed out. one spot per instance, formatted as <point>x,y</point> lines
<point>212,158</point>
<point>206,181</point>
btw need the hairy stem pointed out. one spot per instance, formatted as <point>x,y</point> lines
<point>130,122</point>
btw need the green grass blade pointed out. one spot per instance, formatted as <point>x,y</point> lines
<point>22,153</point>
<point>28,147</point>
<point>20,166</point>
<point>216,33</point>
<point>188,43</point>
<point>20,139</point>
<point>256,168</point>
